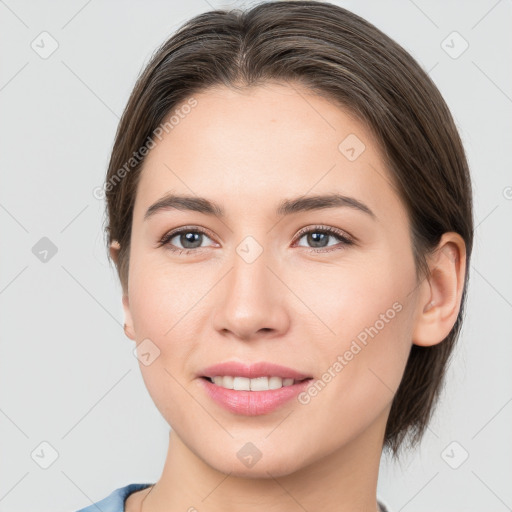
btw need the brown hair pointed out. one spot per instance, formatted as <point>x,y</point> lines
<point>346,59</point>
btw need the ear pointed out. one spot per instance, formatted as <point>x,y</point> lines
<point>114,250</point>
<point>128,326</point>
<point>128,321</point>
<point>441,293</point>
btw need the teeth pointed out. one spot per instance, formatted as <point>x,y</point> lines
<point>257,384</point>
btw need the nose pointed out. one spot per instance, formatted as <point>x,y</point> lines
<point>251,301</point>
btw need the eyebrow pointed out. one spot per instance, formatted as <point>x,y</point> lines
<point>286,207</point>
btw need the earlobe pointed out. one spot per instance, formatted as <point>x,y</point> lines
<point>441,294</point>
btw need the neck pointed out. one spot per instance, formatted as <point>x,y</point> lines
<point>343,480</point>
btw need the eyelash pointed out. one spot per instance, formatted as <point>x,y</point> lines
<point>344,239</point>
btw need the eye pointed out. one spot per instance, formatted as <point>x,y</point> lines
<point>318,236</point>
<point>190,239</point>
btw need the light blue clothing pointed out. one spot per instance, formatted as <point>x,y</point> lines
<point>114,502</point>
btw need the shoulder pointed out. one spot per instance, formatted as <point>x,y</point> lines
<point>115,501</point>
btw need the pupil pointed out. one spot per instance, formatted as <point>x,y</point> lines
<point>313,238</point>
<point>189,238</point>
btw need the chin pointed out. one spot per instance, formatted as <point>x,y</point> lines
<point>250,462</point>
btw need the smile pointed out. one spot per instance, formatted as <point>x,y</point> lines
<point>256,384</point>
<point>256,396</point>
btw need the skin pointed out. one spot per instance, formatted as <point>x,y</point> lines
<point>248,151</point>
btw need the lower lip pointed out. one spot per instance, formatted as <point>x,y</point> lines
<point>253,403</point>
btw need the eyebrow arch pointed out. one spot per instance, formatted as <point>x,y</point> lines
<point>286,207</point>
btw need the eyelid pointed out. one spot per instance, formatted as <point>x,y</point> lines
<point>344,238</point>
<point>169,235</point>
<point>343,235</point>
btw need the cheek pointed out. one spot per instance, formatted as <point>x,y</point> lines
<point>161,295</point>
<point>371,346</point>
<point>369,315</point>
<point>163,305</point>
<point>361,371</point>
<point>345,299</point>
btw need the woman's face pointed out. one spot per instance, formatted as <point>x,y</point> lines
<point>268,285</point>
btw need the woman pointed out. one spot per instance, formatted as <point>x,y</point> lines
<point>290,214</point>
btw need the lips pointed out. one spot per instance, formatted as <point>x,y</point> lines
<point>252,370</point>
<point>262,400</point>
<point>253,403</point>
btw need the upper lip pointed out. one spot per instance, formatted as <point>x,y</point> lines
<point>252,370</point>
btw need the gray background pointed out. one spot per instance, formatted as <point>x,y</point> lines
<point>68,375</point>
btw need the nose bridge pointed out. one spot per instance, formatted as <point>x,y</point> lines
<point>250,277</point>
<point>251,298</point>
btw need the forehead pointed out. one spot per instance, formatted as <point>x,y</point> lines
<point>265,143</point>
